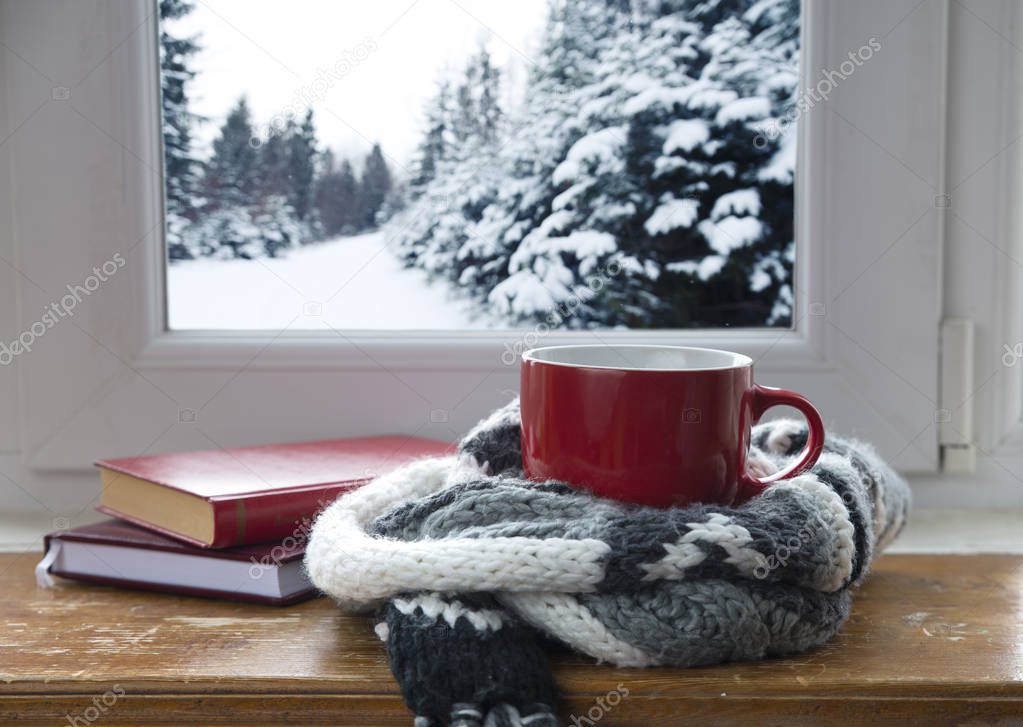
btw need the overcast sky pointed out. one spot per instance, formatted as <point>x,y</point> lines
<point>274,51</point>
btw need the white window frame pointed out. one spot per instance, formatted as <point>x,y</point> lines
<point>114,381</point>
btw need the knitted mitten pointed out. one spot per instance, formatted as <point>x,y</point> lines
<point>466,561</point>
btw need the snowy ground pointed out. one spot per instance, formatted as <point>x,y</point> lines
<point>345,283</point>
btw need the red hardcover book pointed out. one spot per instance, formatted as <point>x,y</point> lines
<point>228,497</point>
<point>122,554</point>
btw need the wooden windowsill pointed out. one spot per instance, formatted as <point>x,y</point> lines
<point>932,639</point>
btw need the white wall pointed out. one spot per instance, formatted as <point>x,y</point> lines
<point>34,503</point>
<point>8,406</point>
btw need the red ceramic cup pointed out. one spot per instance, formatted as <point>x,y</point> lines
<point>655,425</point>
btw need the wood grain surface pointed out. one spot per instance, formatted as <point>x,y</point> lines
<point>932,640</point>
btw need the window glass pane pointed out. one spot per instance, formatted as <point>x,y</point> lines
<point>443,165</point>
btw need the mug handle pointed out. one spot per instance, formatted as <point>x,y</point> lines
<point>764,397</point>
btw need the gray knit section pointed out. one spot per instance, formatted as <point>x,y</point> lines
<point>712,621</point>
<point>495,443</point>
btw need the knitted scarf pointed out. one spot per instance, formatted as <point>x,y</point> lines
<point>466,562</point>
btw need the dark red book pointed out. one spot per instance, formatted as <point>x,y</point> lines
<point>122,554</point>
<point>220,498</point>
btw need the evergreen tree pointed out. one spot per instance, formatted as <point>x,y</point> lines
<point>487,80</point>
<point>337,197</point>
<point>727,258</point>
<point>181,167</point>
<point>231,178</point>
<point>639,150</point>
<point>474,118</point>
<point>273,165</point>
<point>433,149</point>
<point>374,187</point>
<point>301,143</point>
<point>548,252</point>
<point>700,214</point>
<point>463,123</point>
<point>484,206</point>
<point>229,232</point>
<point>396,202</point>
<point>249,211</point>
<point>276,225</point>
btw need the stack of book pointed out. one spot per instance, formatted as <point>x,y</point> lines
<point>228,523</point>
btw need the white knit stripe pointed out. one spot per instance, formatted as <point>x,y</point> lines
<point>732,537</point>
<point>718,529</point>
<point>434,606</point>
<point>845,546</point>
<point>359,570</point>
<point>672,566</point>
<point>563,617</point>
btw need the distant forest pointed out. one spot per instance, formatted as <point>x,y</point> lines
<point>258,193</point>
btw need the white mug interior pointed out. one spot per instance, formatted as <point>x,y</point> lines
<point>636,357</point>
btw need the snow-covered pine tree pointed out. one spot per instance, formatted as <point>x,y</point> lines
<point>273,164</point>
<point>278,225</point>
<point>231,175</point>
<point>301,143</point>
<point>374,187</point>
<point>230,182</point>
<point>437,231</point>
<point>181,167</point>
<point>229,232</point>
<point>463,122</point>
<point>638,157</point>
<point>396,201</point>
<point>337,197</point>
<point>477,248</point>
<point>248,211</point>
<point>669,183</point>
<point>551,252</point>
<point>719,207</point>
<point>585,255</point>
<point>487,82</point>
<point>433,148</point>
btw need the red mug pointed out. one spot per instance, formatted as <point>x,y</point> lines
<point>654,425</point>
